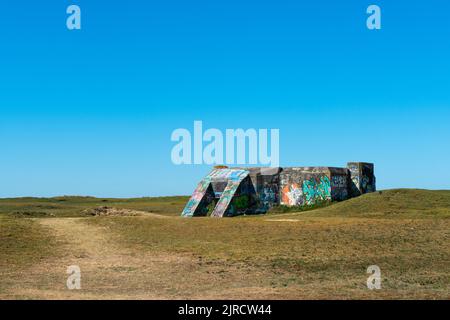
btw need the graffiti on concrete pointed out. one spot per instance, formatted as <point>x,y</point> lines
<point>366,184</point>
<point>268,196</point>
<point>229,192</point>
<point>316,190</point>
<point>339,181</point>
<point>204,194</point>
<point>292,195</point>
<point>339,187</point>
<point>199,194</point>
<point>231,174</point>
<point>224,204</point>
<point>362,178</point>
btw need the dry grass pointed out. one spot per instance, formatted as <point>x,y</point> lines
<point>397,203</point>
<point>327,255</point>
<point>316,254</point>
<point>69,206</point>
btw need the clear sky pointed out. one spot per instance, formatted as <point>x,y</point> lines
<point>91,111</point>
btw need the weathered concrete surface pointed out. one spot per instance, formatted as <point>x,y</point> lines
<point>218,188</point>
<point>362,178</point>
<point>236,191</point>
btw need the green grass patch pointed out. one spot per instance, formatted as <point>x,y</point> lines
<point>287,209</point>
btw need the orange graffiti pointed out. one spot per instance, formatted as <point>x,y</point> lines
<point>290,194</point>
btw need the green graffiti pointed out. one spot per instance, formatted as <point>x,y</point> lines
<point>317,190</point>
<point>241,202</point>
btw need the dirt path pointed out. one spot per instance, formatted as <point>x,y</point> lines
<point>111,271</point>
<point>112,211</point>
<point>107,269</point>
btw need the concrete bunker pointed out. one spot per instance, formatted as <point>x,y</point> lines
<point>226,192</point>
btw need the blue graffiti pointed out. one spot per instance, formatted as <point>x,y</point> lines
<point>317,190</point>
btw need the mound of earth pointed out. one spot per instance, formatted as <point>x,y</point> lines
<point>111,211</point>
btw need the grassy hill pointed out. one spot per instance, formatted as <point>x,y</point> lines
<point>396,203</point>
<point>321,253</point>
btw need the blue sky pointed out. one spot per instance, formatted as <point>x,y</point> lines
<point>91,111</point>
